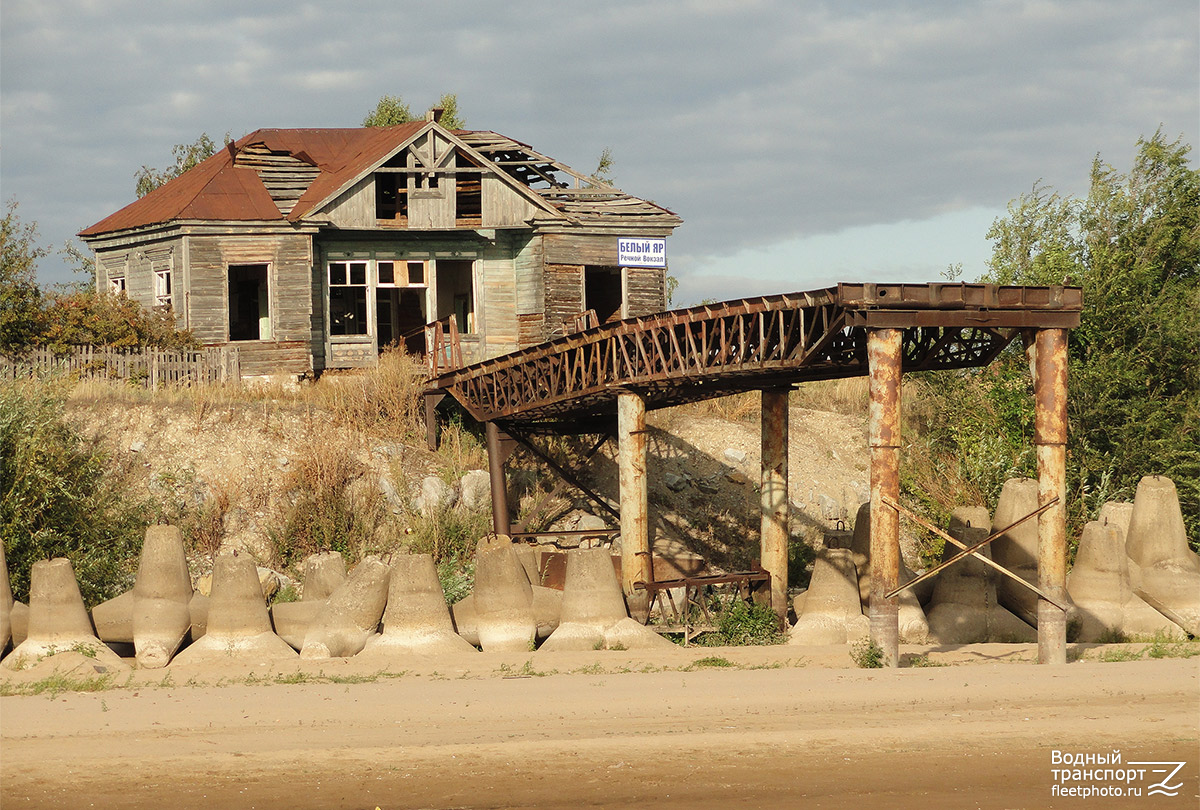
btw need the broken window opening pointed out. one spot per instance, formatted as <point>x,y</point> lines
<point>348,298</point>
<point>602,292</point>
<point>456,292</point>
<point>116,285</point>
<point>249,302</point>
<point>391,197</point>
<point>162,288</point>
<point>468,195</point>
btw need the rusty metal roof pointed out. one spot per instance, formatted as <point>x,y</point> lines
<point>219,189</point>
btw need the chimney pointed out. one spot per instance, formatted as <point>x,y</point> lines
<point>435,114</point>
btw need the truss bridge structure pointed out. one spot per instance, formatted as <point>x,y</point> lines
<point>602,379</point>
<point>567,384</point>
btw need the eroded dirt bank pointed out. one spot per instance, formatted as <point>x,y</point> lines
<point>550,730</point>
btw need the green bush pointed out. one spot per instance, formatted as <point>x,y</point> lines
<point>744,624</point>
<point>58,497</point>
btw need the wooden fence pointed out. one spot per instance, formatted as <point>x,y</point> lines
<point>145,366</point>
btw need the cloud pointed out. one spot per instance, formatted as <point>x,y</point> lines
<point>760,123</point>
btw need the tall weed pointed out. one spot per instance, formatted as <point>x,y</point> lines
<point>61,496</point>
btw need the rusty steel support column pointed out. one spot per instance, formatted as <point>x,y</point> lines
<point>1050,438</point>
<point>774,489</point>
<point>635,504</point>
<point>501,523</point>
<point>884,358</point>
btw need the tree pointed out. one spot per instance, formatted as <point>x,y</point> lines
<point>604,165</point>
<point>187,155</point>
<point>20,299</point>
<point>1133,245</point>
<point>392,110</point>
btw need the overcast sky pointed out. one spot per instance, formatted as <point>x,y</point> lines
<point>802,143</point>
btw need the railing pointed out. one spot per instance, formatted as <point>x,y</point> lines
<point>145,366</point>
<point>442,345</point>
<point>774,341</point>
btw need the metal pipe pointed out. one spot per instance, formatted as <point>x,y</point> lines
<point>884,360</point>
<point>1050,438</point>
<point>635,502</point>
<point>774,496</point>
<point>500,520</point>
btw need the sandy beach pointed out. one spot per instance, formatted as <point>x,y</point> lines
<point>726,727</point>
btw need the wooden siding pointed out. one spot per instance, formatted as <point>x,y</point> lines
<point>432,210</point>
<point>564,296</point>
<point>289,290</point>
<point>354,207</point>
<point>645,291</point>
<point>360,353</point>
<point>502,206</point>
<point>578,249</point>
<point>530,291</point>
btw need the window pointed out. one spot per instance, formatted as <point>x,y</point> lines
<point>391,196</point>
<point>348,298</point>
<point>387,273</point>
<point>456,292</point>
<point>416,274</point>
<point>162,288</point>
<point>249,303</point>
<point>116,285</point>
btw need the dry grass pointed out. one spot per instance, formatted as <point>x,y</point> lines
<point>383,401</point>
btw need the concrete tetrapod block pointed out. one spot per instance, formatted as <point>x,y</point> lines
<point>593,609</point>
<point>113,619</point>
<point>352,613</point>
<point>161,596</point>
<point>291,620</point>
<point>237,622</point>
<point>323,573</point>
<point>964,609</point>
<point>417,619</point>
<point>832,610</point>
<point>1117,515</point>
<point>20,622</point>
<point>1107,607</point>
<point>6,603</point>
<point>1017,550</point>
<point>914,629</point>
<point>198,610</point>
<point>1157,542</point>
<point>466,620</point>
<point>503,599</point>
<point>58,620</point>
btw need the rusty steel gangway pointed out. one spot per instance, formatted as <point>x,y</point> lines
<point>584,381</point>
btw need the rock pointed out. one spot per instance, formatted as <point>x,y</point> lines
<point>476,491</point>
<point>435,496</point>
<point>674,482</point>
<point>137,446</point>
<point>390,495</point>
<point>735,456</point>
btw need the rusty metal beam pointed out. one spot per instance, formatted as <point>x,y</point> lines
<point>774,496</point>
<point>501,523</point>
<point>635,516</point>
<point>884,356</point>
<point>1050,439</point>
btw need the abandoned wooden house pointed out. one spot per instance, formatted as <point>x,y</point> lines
<point>312,249</point>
